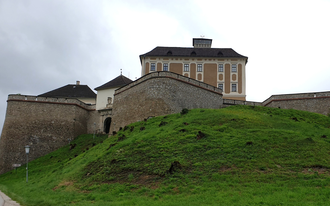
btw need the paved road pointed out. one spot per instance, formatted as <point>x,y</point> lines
<point>1,201</point>
<point>6,201</point>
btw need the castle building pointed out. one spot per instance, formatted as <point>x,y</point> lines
<point>220,67</point>
<point>172,78</point>
<point>105,98</point>
<point>105,92</point>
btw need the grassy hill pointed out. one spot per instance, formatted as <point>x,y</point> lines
<point>239,155</point>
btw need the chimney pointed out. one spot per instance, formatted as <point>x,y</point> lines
<point>202,43</point>
<point>78,83</point>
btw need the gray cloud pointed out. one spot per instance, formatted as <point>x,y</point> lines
<point>48,44</point>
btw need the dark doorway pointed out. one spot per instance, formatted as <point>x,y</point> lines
<point>107,123</point>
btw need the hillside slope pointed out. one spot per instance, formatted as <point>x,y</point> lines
<point>239,155</point>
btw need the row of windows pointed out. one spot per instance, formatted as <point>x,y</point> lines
<point>233,87</point>
<point>199,67</point>
<point>233,68</point>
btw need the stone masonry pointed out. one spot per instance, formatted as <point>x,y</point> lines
<point>45,124</point>
<point>161,93</point>
<point>318,102</point>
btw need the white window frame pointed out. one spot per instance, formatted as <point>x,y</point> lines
<point>220,69</point>
<point>199,67</point>
<point>154,67</point>
<point>234,87</point>
<point>166,67</point>
<point>221,86</point>
<point>234,68</point>
<point>185,67</point>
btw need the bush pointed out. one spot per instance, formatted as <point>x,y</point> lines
<point>184,111</point>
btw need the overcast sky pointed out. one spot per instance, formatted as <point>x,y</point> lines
<point>45,45</point>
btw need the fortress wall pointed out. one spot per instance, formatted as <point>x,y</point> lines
<point>94,117</point>
<point>310,95</point>
<point>168,74</point>
<point>52,100</point>
<point>44,125</point>
<point>317,104</point>
<point>160,94</point>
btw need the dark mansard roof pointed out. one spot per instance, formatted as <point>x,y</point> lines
<point>117,82</point>
<point>193,52</point>
<point>71,91</point>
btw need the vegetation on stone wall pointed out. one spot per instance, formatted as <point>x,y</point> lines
<point>240,155</point>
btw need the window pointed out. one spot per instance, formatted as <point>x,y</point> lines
<point>199,68</point>
<point>233,68</point>
<point>220,68</point>
<point>233,88</point>
<point>220,86</point>
<point>165,67</point>
<point>186,68</point>
<point>153,67</point>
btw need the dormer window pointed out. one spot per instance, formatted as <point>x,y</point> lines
<point>193,53</point>
<point>169,53</point>
<point>220,53</point>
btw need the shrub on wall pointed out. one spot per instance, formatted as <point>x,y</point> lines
<point>184,111</point>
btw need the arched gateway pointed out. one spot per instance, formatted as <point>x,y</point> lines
<point>107,123</point>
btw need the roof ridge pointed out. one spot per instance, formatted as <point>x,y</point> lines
<point>119,81</point>
<point>199,52</point>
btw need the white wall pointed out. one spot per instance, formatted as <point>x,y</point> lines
<point>102,97</point>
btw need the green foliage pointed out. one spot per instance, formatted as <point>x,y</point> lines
<point>184,111</point>
<point>240,155</point>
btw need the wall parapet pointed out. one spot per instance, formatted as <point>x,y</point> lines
<point>161,74</point>
<point>240,102</point>
<point>296,96</point>
<point>70,101</point>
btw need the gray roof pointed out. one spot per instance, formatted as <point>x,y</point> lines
<point>71,91</point>
<point>117,82</point>
<point>193,52</point>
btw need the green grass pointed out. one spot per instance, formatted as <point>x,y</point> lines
<point>239,155</point>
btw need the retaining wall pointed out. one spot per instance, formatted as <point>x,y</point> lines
<point>45,124</point>
<point>318,102</point>
<point>161,93</point>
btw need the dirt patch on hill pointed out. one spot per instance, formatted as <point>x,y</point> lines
<point>312,170</point>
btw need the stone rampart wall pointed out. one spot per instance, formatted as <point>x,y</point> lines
<point>310,95</point>
<point>161,93</point>
<point>318,102</point>
<point>45,124</point>
<point>172,75</point>
<point>71,101</point>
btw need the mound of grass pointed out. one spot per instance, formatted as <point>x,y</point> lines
<point>239,155</point>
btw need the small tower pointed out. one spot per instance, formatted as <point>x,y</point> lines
<point>202,43</point>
